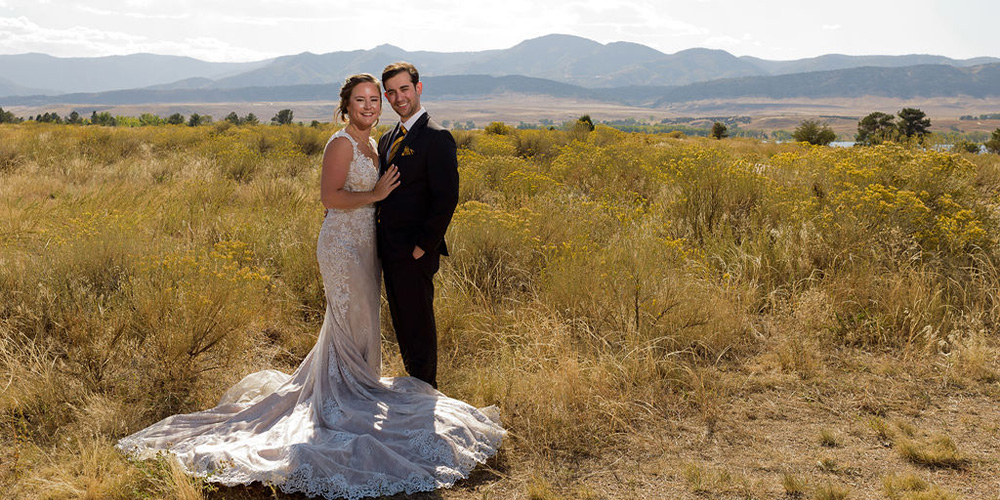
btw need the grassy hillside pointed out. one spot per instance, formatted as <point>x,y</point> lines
<point>655,317</point>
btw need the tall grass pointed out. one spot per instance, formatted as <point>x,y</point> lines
<point>597,281</point>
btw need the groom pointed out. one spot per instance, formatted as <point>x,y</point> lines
<point>411,222</point>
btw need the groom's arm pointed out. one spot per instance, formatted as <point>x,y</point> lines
<point>442,182</point>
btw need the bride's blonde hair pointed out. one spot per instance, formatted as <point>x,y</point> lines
<point>345,93</point>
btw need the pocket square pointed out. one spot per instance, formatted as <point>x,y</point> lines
<point>407,151</point>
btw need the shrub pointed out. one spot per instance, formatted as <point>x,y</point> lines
<point>497,128</point>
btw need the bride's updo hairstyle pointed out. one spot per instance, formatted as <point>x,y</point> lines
<point>345,93</point>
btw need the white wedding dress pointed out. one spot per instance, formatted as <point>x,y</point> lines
<point>334,427</point>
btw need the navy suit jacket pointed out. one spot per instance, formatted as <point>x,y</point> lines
<point>418,211</point>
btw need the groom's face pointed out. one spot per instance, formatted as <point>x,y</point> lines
<point>403,95</point>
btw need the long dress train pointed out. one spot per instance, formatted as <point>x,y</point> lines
<point>333,428</point>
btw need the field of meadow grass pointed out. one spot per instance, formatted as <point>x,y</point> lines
<point>656,317</point>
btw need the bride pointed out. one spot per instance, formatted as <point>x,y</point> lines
<point>335,428</point>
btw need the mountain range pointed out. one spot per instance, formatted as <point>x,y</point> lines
<point>558,65</point>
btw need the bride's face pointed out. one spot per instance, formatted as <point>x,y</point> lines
<point>365,105</point>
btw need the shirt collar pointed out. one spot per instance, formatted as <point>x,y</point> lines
<point>413,119</point>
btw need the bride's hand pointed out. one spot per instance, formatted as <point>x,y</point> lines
<point>386,183</point>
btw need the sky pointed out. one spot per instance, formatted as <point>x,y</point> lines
<point>251,30</point>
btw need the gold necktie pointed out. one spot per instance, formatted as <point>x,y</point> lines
<point>395,144</point>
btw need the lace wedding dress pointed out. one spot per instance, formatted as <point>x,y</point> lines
<point>334,427</point>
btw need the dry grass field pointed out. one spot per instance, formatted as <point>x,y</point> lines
<point>656,317</point>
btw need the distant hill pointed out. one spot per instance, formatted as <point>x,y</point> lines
<point>307,68</point>
<point>555,65</point>
<point>839,61</point>
<point>688,66</point>
<point>561,58</point>
<point>8,87</point>
<point>908,82</point>
<point>97,74</point>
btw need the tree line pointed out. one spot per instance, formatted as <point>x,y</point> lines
<point>910,124</point>
<point>987,116</point>
<point>282,117</point>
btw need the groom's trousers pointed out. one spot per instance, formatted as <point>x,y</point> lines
<point>409,289</point>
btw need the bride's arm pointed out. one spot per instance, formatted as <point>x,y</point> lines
<point>336,163</point>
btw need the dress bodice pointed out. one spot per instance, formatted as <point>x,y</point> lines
<point>363,173</point>
<point>347,234</point>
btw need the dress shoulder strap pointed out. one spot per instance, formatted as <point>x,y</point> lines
<point>343,133</point>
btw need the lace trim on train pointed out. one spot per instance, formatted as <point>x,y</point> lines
<point>429,446</point>
<point>455,463</point>
<point>303,481</point>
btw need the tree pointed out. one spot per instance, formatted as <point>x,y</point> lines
<point>251,119</point>
<point>913,123</point>
<point>175,119</point>
<point>585,119</point>
<point>7,117</point>
<point>875,128</point>
<point>48,118</point>
<point>993,145</point>
<point>284,117</point>
<point>233,118</point>
<point>195,120</point>
<point>719,130</point>
<point>149,119</point>
<point>815,133</point>
<point>74,118</point>
<point>103,118</point>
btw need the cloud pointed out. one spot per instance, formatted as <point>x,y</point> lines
<point>213,49</point>
<point>133,15</point>
<point>20,35</point>
<point>640,18</point>
<point>729,43</point>
<point>224,30</point>
<point>23,30</point>
<point>504,24</point>
<point>278,20</point>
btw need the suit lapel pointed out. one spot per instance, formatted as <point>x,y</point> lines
<point>384,144</point>
<point>409,138</point>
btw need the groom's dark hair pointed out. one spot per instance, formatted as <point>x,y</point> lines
<point>399,67</point>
